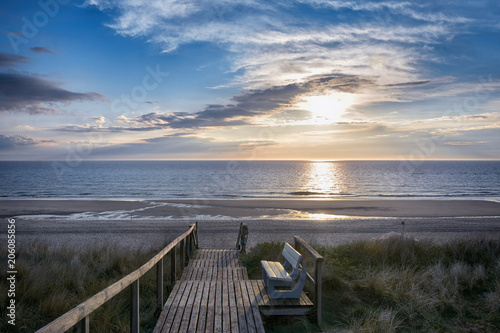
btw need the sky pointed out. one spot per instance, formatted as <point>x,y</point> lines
<point>249,80</point>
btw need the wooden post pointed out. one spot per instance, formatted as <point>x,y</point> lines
<point>83,325</point>
<point>188,247</point>
<point>159,278</point>
<point>196,234</point>
<point>173,267</point>
<point>318,289</point>
<point>239,237</point>
<point>182,254</point>
<point>134,311</point>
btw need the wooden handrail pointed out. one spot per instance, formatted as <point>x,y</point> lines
<point>82,311</point>
<point>317,279</point>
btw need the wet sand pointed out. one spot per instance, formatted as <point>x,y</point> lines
<point>439,220</point>
<point>255,208</point>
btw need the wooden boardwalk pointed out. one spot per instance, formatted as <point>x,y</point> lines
<point>215,295</point>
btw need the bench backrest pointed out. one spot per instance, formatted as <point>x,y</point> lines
<point>291,255</point>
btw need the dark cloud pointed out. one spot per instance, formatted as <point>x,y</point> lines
<point>250,103</point>
<point>41,49</point>
<point>25,93</point>
<point>9,142</point>
<point>245,106</point>
<point>409,84</point>
<point>8,59</point>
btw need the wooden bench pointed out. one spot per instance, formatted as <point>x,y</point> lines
<point>287,280</point>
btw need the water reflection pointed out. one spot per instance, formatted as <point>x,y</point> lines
<point>322,179</point>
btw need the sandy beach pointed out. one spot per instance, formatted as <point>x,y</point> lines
<point>150,224</point>
<point>240,208</point>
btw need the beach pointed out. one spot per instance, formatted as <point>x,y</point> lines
<point>136,224</point>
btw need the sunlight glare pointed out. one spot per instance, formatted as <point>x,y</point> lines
<point>328,108</point>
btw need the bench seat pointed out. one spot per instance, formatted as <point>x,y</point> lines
<point>285,280</point>
<point>276,271</point>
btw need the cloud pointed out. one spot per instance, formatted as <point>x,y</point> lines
<point>181,144</point>
<point>35,95</point>
<point>8,59</point>
<point>408,84</point>
<point>10,142</point>
<point>270,45</point>
<point>99,119</point>
<point>242,109</point>
<point>41,49</point>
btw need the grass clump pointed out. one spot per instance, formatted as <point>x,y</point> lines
<point>52,281</point>
<point>403,285</point>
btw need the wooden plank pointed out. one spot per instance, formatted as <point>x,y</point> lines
<point>202,317</point>
<point>166,308</point>
<point>226,319</point>
<point>233,312</point>
<point>291,255</point>
<point>257,292</point>
<point>248,310</point>
<point>242,321</point>
<point>254,306</point>
<point>209,328</point>
<point>171,307</point>
<point>186,317</point>
<point>181,305</point>
<point>193,321</point>
<point>218,307</point>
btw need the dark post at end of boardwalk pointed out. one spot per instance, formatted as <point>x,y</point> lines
<point>241,242</point>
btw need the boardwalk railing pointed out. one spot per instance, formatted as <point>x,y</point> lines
<point>79,316</point>
<point>317,279</point>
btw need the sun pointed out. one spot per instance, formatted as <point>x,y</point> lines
<point>328,108</point>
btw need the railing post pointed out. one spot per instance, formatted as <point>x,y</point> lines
<point>318,289</point>
<point>188,247</point>
<point>159,277</point>
<point>239,237</point>
<point>134,311</point>
<point>83,325</point>
<point>173,266</point>
<point>182,254</point>
<point>196,235</point>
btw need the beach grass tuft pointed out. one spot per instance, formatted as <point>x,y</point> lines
<point>51,281</point>
<point>400,284</point>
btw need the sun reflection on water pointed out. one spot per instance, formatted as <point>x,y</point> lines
<point>323,180</point>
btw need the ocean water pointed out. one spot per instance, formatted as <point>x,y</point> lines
<point>251,179</point>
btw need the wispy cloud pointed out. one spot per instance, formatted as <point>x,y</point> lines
<point>279,49</point>
<point>10,60</point>
<point>41,49</point>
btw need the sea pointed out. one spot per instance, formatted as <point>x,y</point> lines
<point>147,180</point>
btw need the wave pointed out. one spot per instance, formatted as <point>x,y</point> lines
<point>306,193</point>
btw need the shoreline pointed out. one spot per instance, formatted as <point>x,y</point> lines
<point>297,209</point>
<point>140,224</point>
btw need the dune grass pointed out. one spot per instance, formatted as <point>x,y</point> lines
<point>51,281</point>
<point>401,285</point>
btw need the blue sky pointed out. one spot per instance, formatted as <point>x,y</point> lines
<point>249,79</point>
